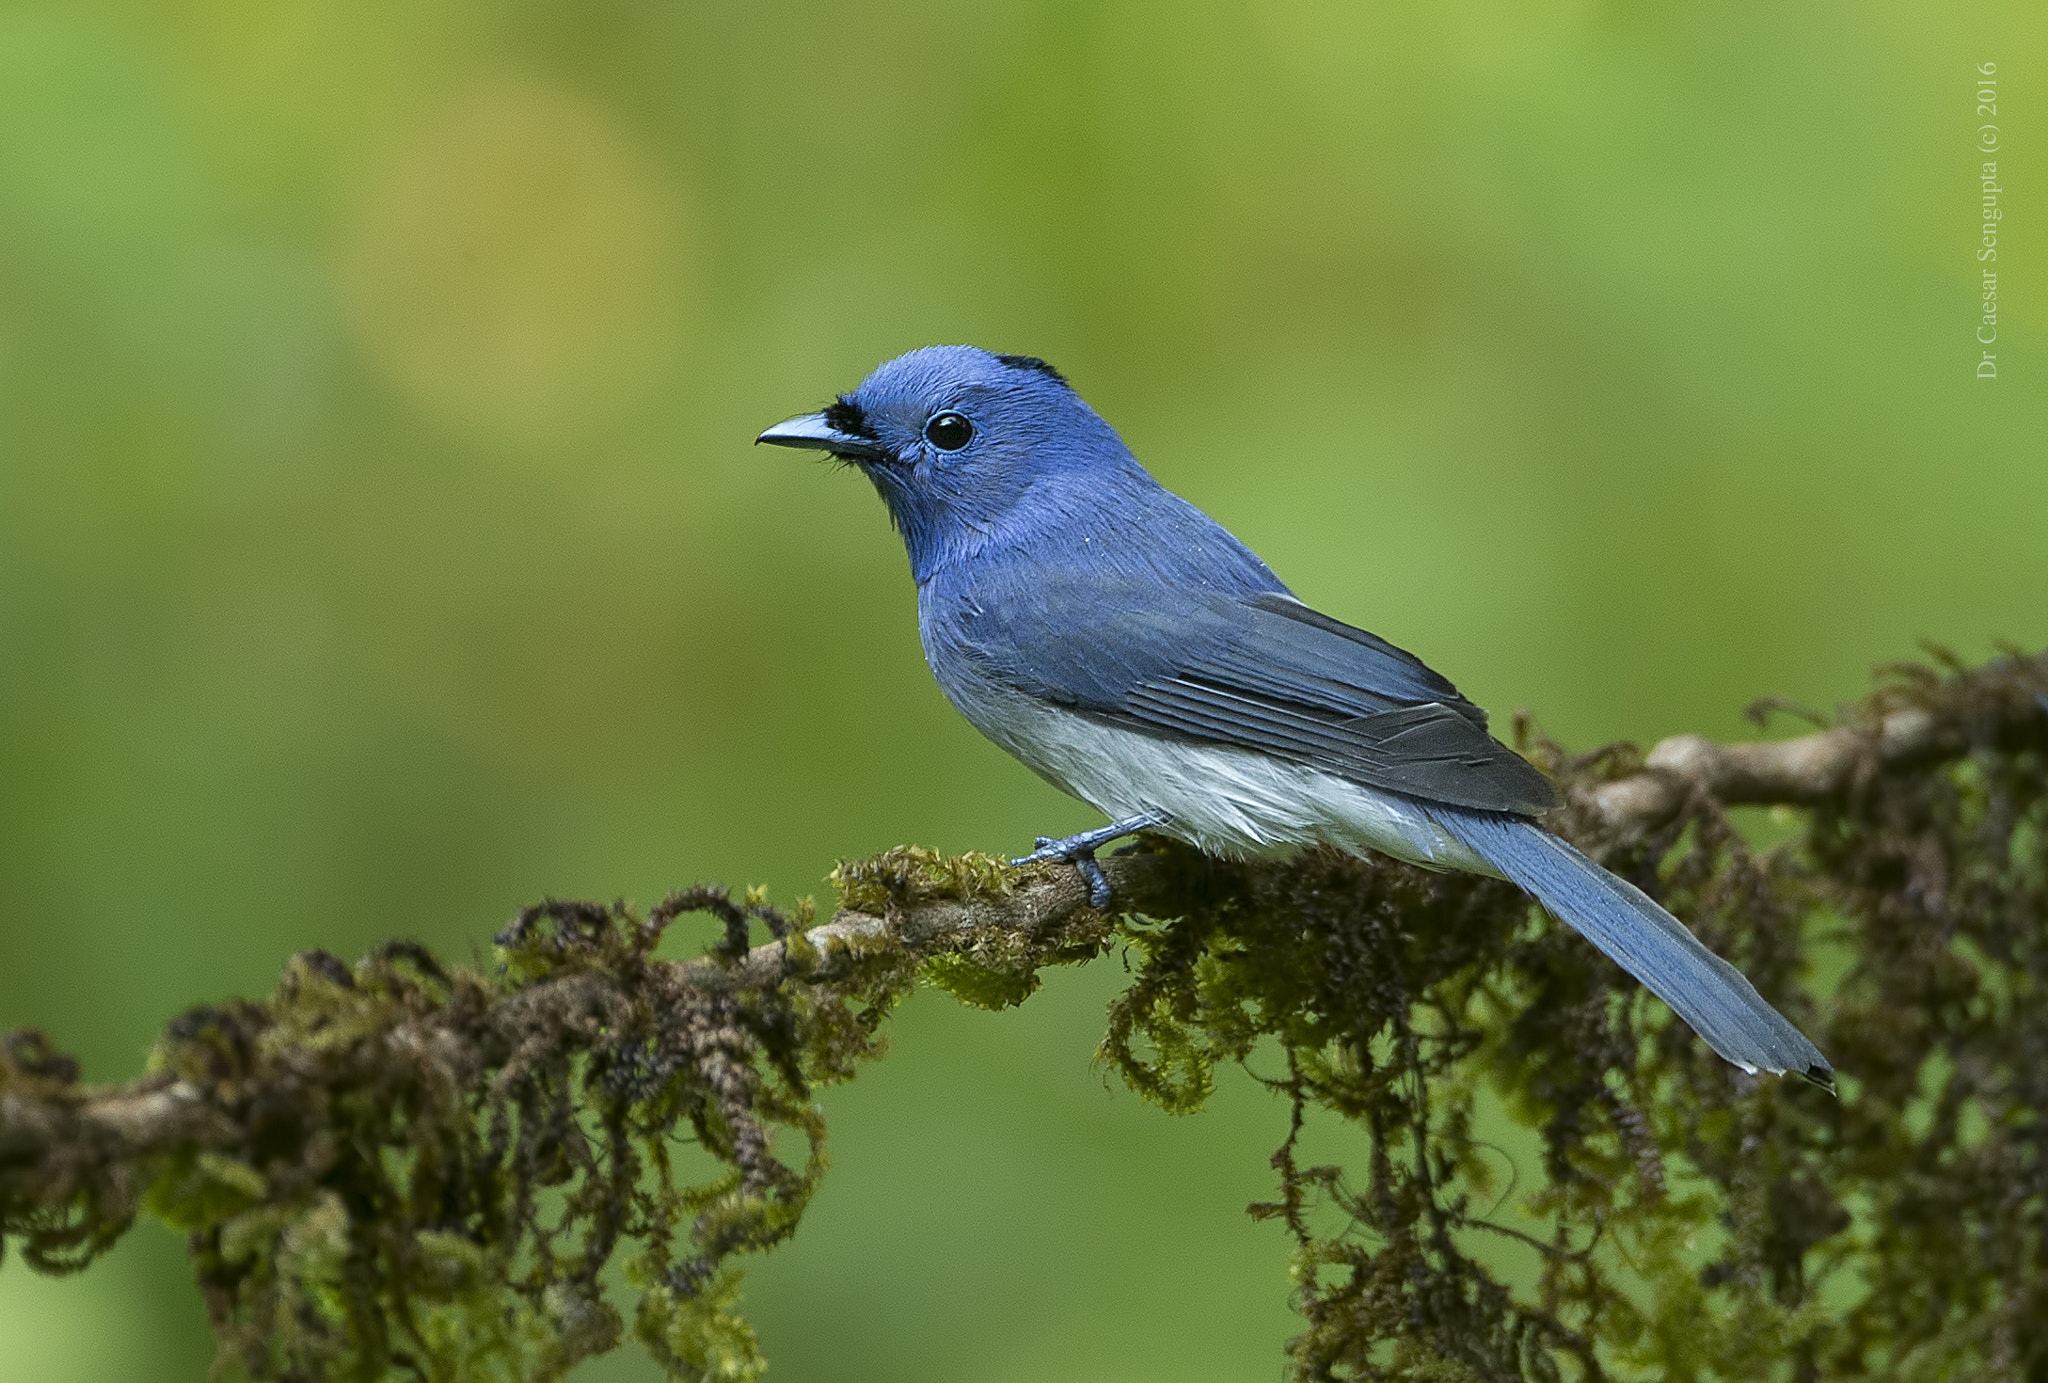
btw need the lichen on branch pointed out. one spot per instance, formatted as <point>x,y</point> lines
<point>408,1169</point>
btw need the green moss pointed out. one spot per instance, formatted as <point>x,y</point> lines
<point>700,1337</point>
<point>202,1188</point>
<point>419,1171</point>
<point>980,986</point>
<point>1399,998</point>
<point>435,1165</point>
<point>910,874</point>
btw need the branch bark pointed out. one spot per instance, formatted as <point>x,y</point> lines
<point>1795,772</point>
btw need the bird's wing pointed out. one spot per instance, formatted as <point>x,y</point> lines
<point>1260,671</point>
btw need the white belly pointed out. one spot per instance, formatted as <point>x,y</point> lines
<point>1224,801</point>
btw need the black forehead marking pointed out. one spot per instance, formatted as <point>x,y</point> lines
<point>1034,364</point>
<point>844,415</point>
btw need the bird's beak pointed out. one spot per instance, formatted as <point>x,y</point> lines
<point>813,432</point>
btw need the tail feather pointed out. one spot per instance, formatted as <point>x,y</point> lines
<point>1711,995</point>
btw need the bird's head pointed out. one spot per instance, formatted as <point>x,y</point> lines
<point>968,447</point>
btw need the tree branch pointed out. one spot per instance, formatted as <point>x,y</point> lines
<point>54,1134</point>
<point>269,1129</point>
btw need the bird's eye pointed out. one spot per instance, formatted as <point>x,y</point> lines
<point>949,431</point>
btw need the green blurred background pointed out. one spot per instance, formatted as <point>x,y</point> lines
<point>381,547</point>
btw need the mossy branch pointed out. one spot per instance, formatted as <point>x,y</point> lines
<point>406,1169</point>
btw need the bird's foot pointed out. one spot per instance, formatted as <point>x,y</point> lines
<point>1079,850</point>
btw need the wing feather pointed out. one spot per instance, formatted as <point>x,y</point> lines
<point>1260,671</point>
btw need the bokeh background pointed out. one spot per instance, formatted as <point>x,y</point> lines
<point>381,547</point>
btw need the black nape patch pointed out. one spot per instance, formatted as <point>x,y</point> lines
<point>1034,364</point>
<point>844,415</point>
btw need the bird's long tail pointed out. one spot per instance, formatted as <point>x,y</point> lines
<point>1707,992</point>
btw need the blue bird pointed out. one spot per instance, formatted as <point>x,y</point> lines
<point>1134,654</point>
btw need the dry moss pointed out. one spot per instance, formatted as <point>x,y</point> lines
<point>1897,1231</point>
<point>403,1169</point>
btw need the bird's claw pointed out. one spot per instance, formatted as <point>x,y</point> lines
<point>1079,851</point>
<point>1098,886</point>
<point>1082,857</point>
